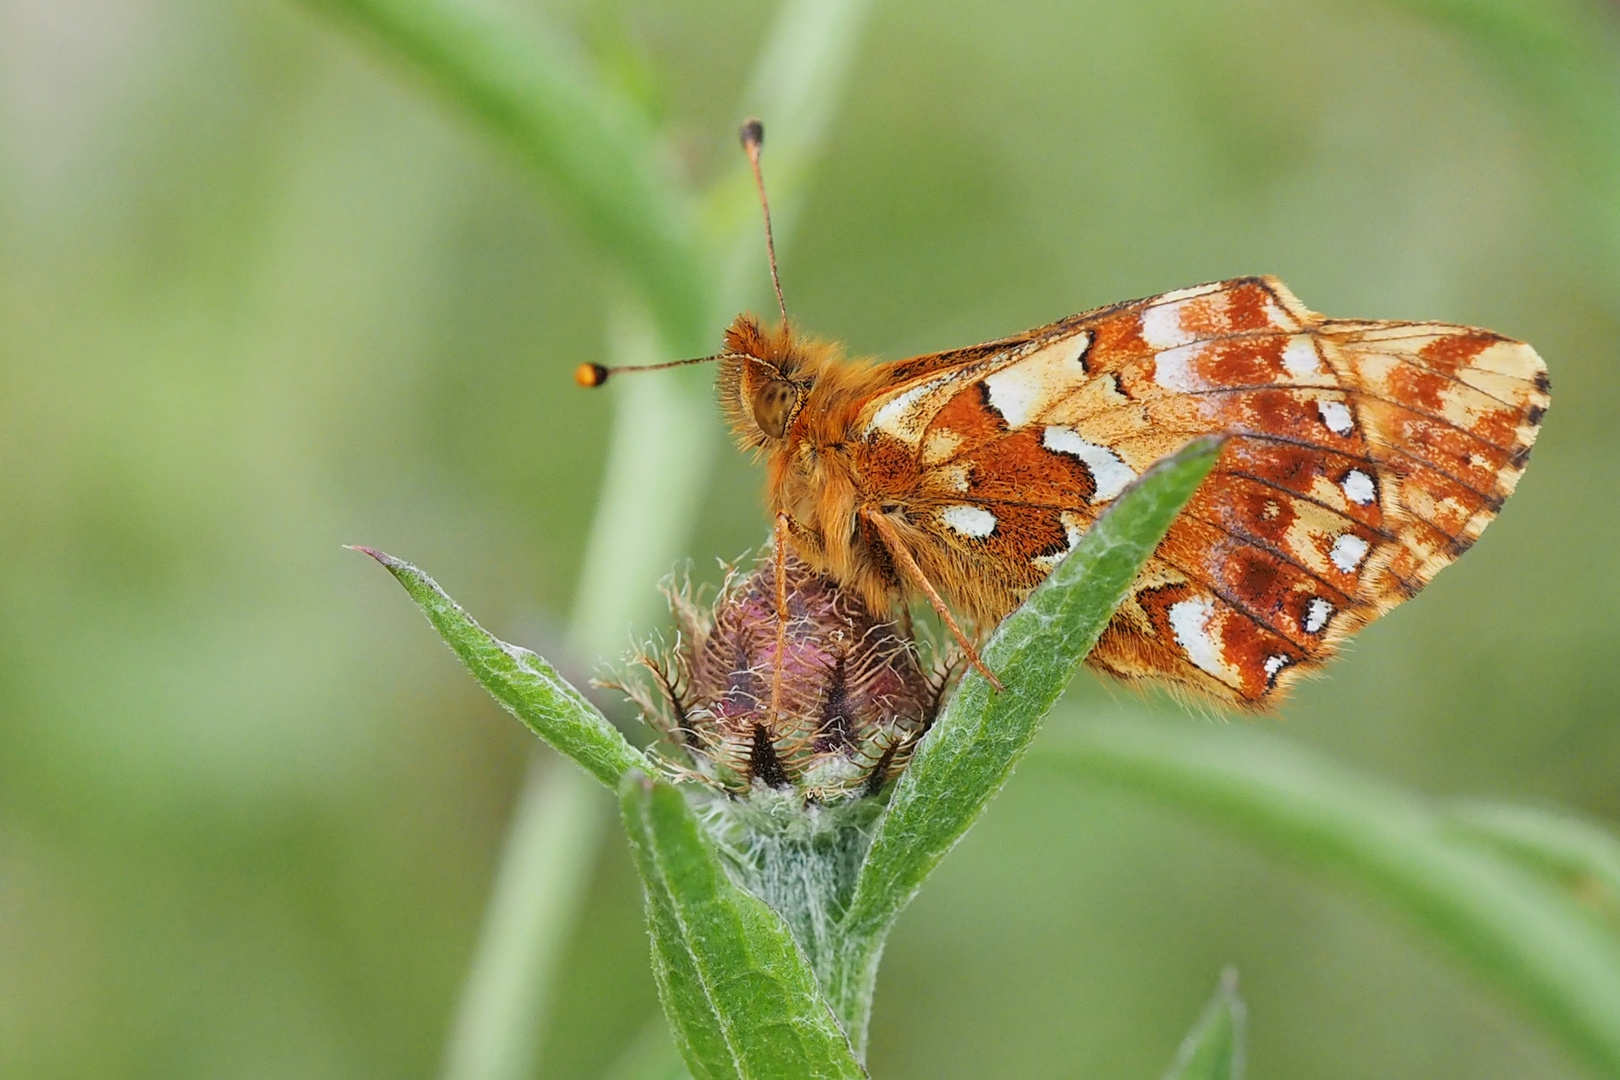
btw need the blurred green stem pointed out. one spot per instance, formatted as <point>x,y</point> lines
<point>650,1056</point>
<point>663,447</point>
<point>1581,856</point>
<point>550,849</point>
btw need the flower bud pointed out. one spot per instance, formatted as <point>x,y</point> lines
<point>824,698</point>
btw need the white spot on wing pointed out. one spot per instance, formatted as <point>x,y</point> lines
<point>1300,358</point>
<point>1173,369</point>
<point>1348,551</point>
<point>1275,664</point>
<point>1336,415</point>
<point>1075,348</point>
<point>1189,620</point>
<point>974,521</point>
<point>1276,317</point>
<point>1317,614</point>
<point>939,445</point>
<point>896,407</point>
<point>1014,393</point>
<point>1110,473</point>
<point>897,410</point>
<point>1161,326</point>
<point>1358,488</point>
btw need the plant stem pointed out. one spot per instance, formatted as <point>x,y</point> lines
<point>550,849</point>
<point>804,862</point>
<point>663,446</point>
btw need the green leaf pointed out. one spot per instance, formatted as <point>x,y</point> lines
<point>524,683</point>
<point>589,144</point>
<point>1214,1048</point>
<point>1538,945</point>
<point>1581,856</point>
<point>980,736</point>
<point>738,992</point>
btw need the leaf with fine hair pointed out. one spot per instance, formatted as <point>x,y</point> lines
<point>738,993</point>
<point>1553,956</point>
<point>528,687</point>
<point>1214,1048</point>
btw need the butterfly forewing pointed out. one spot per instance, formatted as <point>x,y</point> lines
<point>1365,456</point>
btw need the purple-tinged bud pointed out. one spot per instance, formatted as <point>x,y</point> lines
<point>851,695</point>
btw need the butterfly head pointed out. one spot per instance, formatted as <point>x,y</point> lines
<point>765,377</point>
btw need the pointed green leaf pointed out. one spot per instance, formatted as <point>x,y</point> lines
<point>528,687</point>
<point>1214,1048</point>
<point>1536,943</point>
<point>738,993</point>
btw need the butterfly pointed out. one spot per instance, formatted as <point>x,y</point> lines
<point>1362,457</point>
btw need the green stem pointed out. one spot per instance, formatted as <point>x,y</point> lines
<point>550,849</point>
<point>804,862</point>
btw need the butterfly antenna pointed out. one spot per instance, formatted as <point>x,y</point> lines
<point>752,135</point>
<point>594,375</point>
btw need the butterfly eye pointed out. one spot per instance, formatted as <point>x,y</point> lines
<point>773,406</point>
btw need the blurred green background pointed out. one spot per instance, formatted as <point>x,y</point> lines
<point>262,294</point>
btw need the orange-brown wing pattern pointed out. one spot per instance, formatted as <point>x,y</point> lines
<point>1365,456</point>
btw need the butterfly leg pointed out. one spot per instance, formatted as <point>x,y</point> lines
<point>779,541</point>
<point>913,574</point>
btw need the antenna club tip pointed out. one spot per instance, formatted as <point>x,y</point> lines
<point>590,375</point>
<point>751,134</point>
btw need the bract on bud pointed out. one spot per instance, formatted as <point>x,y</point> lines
<point>851,696</point>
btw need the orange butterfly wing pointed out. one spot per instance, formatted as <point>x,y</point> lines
<point>1365,456</point>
